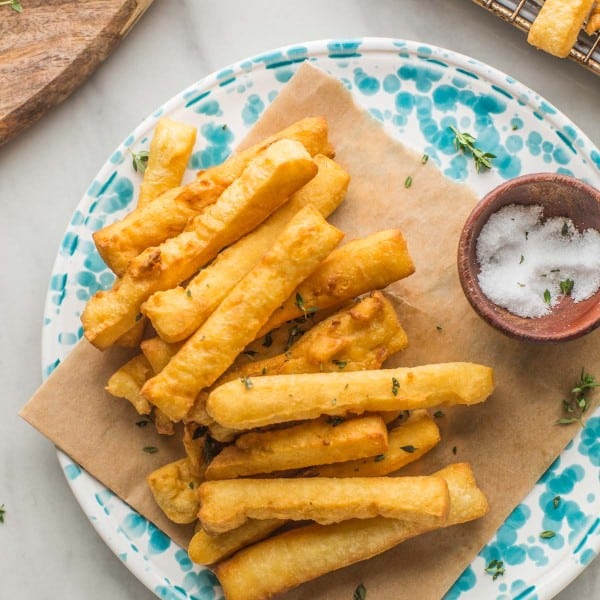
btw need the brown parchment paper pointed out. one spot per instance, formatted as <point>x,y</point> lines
<point>510,440</point>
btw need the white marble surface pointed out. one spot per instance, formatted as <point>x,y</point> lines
<point>48,549</point>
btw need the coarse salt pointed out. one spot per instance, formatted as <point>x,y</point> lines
<point>529,264</point>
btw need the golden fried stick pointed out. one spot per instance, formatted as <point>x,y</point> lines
<point>279,171</point>
<point>175,489</point>
<point>289,559</point>
<point>158,352</point>
<point>170,151</point>
<point>557,25</point>
<point>227,504</point>
<point>281,398</point>
<point>178,312</point>
<point>316,442</point>
<point>127,383</point>
<point>207,549</point>
<point>211,183</point>
<point>593,22</point>
<point>406,443</point>
<point>146,226</point>
<point>362,265</point>
<point>360,336</point>
<point>298,250</point>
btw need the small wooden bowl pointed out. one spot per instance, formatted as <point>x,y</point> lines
<point>560,196</point>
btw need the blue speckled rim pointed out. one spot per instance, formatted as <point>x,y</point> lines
<point>416,91</point>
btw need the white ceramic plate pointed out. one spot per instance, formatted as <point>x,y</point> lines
<point>416,91</point>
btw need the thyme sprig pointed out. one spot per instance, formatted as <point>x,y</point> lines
<point>495,568</point>
<point>140,160</point>
<point>577,405</point>
<point>465,142</point>
<point>14,4</point>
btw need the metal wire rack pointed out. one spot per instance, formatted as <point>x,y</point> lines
<point>521,14</point>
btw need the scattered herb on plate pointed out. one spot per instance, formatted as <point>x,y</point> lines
<point>247,382</point>
<point>465,142</point>
<point>495,568</point>
<point>140,160</point>
<point>14,4</point>
<point>556,502</point>
<point>360,593</point>
<point>578,404</point>
<point>548,534</point>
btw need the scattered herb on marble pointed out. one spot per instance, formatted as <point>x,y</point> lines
<point>247,382</point>
<point>556,502</point>
<point>360,593</point>
<point>150,449</point>
<point>410,449</point>
<point>14,4</point>
<point>465,142</point>
<point>341,364</point>
<point>548,534</point>
<point>495,568</point>
<point>408,182</point>
<point>547,297</point>
<point>2,513</point>
<point>140,160</point>
<point>577,405</point>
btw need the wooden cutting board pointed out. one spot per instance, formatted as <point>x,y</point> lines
<point>50,48</point>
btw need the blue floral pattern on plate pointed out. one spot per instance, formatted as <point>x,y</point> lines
<point>416,92</point>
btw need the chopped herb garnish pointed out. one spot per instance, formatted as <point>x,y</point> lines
<point>556,502</point>
<point>335,420</point>
<point>300,304</point>
<point>264,371</point>
<point>268,340</point>
<point>143,422</point>
<point>408,182</point>
<point>250,353</point>
<point>150,449</point>
<point>294,333</point>
<point>2,513</point>
<point>379,457</point>
<point>247,382</point>
<point>210,449</point>
<point>360,593</point>
<point>409,449</point>
<point>554,270</point>
<point>395,386</point>
<point>138,317</point>
<point>224,127</point>
<point>438,414</point>
<point>454,450</point>
<point>191,485</point>
<point>340,363</point>
<point>548,534</point>
<point>566,286</point>
<point>527,235</point>
<point>424,159</point>
<point>334,402</point>
<point>578,404</point>
<point>465,142</point>
<point>547,297</point>
<point>188,293</point>
<point>495,568</point>
<point>520,284</point>
<point>522,259</point>
<point>439,327</point>
<point>140,160</point>
<point>300,301</point>
<point>565,229</point>
<point>514,127</point>
<point>14,4</point>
